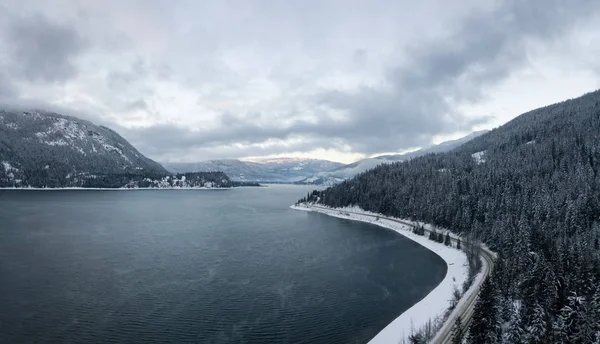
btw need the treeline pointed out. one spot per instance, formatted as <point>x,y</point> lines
<point>44,179</point>
<point>530,190</point>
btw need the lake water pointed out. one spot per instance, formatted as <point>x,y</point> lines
<point>198,266</point>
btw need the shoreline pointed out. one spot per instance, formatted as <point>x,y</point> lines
<point>116,189</point>
<point>437,301</point>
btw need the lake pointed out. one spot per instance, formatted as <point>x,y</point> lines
<point>198,266</point>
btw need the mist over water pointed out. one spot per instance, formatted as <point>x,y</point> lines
<point>198,266</point>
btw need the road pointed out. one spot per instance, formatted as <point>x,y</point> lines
<point>466,307</point>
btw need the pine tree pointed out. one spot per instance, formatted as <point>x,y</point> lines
<point>538,328</point>
<point>485,326</point>
<point>593,316</point>
<point>515,334</point>
<point>570,327</point>
<point>458,333</point>
<point>432,235</point>
<point>416,338</point>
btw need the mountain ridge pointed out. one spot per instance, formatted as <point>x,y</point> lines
<point>280,170</point>
<point>342,173</point>
<point>45,149</point>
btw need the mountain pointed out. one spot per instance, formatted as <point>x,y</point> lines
<point>342,173</point>
<point>530,190</point>
<point>46,149</point>
<point>439,148</point>
<point>39,148</point>
<point>281,170</point>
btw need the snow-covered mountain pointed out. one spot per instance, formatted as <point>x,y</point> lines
<point>39,148</point>
<point>342,173</point>
<point>281,170</point>
<point>439,148</point>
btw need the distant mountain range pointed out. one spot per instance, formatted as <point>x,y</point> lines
<point>46,149</point>
<point>342,173</point>
<point>283,170</point>
<point>304,171</point>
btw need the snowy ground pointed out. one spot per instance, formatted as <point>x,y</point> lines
<point>115,189</point>
<point>437,301</point>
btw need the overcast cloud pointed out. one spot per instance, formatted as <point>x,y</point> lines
<point>189,80</point>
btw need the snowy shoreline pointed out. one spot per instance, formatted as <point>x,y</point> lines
<point>117,189</point>
<point>435,303</point>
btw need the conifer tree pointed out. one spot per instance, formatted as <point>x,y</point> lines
<point>485,326</point>
<point>458,333</point>
<point>515,334</point>
<point>538,328</point>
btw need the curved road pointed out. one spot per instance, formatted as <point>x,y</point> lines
<point>465,308</point>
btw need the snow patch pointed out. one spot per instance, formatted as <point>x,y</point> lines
<point>115,149</point>
<point>479,157</point>
<point>8,167</point>
<point>9,170</point>
<point>33,114</point>
<point>59,142</point>
<point>69,129</point>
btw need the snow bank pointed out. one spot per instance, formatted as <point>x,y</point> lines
<point>438,300</point>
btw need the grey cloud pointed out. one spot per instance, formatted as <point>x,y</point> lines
<point>482,52</point>
<point>361,136</point>
<point>27,105</point>
<point>122,78</point>
<point>43,50</point>
<point>139,104</point>
<point>7,89</point>
<point>273,44</point>
<point>160,141</point>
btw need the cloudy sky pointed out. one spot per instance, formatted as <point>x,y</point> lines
<point>341,80</point>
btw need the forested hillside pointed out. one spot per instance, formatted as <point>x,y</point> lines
<point>529,189</point>
<point>180,180</point>
<point>45,149</point>
<point>341,173</point>
<point>41,149</point>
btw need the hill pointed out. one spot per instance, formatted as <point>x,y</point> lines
<point>46,149</point>
<point>342,173</point>
<point>529,189</point>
